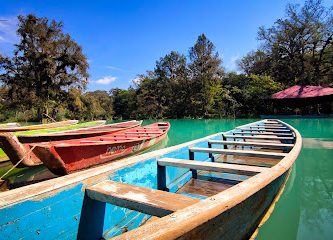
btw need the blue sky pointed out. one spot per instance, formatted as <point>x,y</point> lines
<point>124,38</point>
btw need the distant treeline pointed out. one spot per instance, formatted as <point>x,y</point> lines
<point>47,74</point>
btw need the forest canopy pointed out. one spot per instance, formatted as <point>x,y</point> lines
<point>48,72</point>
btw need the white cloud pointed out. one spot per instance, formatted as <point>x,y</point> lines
<point>232,63</point>
<point>8,27</point>
<point>136,80</point>
<point>115,68</point>
<point>105,80</point>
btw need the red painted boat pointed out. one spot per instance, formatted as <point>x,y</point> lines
<point>18,148</point>
<point>68,156</point>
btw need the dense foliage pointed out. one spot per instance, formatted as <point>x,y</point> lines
<point>48,74</point>
<point>297,49</point>
<point>194,87</point>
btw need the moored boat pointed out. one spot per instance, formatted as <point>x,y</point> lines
<point>4,157</point>
<point>68,156</point>
<point>19,147</point>
<point>39,126</point>
<point>215,187</point>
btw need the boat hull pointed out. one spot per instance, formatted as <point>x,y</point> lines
<point>65,160</point>
<point>19,149</point>
<point>60,208</point>
<point>242,220</point>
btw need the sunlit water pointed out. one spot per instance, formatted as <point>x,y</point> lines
<point>305,210</point>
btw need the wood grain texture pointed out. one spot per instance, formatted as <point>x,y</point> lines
<point>263,129</point>
<point>259,137</point>
<point>254,144</point>
<point>146,200</point>
<point>263,133</point>
<point>211,166</point>
<point>249,153</point>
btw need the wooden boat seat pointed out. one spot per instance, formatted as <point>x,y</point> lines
<point>258,137</point>
<point>252,144</point>
<point>263,129</point>
<point>249,153</point>
<point>269,127</point>
<point>155,132</point>
<point>211,166</point>
<point>204,166</point>
<point>263,133</point>
<point>146,200</point>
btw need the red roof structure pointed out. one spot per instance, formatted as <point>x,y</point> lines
<point>303,92</point>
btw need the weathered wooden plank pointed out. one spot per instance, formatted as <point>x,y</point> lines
<point>259,137</point>
<point>146,200</point>
<point>273,124</point>
<point>263,133</point>
<point>248,153</point>
<point>211,166</point>
<point>263,129</point>
<point>253,144</point>
<point>205,188</point>
<point>142,133</point>
<point>267,126</point>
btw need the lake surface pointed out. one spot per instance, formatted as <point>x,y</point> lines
<point>305,210</point>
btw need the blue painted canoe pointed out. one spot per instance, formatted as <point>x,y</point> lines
<point>217,187</point>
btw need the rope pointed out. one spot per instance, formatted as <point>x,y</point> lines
<point>11,169</point>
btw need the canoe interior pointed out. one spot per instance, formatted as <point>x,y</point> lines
<point>67,212</point>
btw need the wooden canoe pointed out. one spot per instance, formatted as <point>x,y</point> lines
<point>39,126</point>
<point>18,147</point>
<point>64,157</point>
<point>4,157</point>
<point>191,193</point>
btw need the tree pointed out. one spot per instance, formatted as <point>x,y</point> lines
<point>171,75</point>
<point>248,93</point>
<point>300,46</point>
<point>45,65</point>
<point>124,103</point>
<point>99,104</point>
<point>205,73</point>
<point>255,62</point>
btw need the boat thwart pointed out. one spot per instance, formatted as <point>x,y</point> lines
<point>190,194</point>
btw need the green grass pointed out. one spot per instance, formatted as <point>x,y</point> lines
<point>59,129</point>
<point>51,130</point>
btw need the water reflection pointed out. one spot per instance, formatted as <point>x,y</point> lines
<point>305,210</point>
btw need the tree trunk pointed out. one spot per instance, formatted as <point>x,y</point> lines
<point>39,114</point>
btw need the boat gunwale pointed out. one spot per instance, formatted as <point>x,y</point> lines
<point>40,126</point>
<point>99,142</point>
<point>70,132</point>
<point>17,195</point>
<point>185,220</point>
<point>21,194</point>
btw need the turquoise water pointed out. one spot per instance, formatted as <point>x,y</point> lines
<point>305,210</point>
